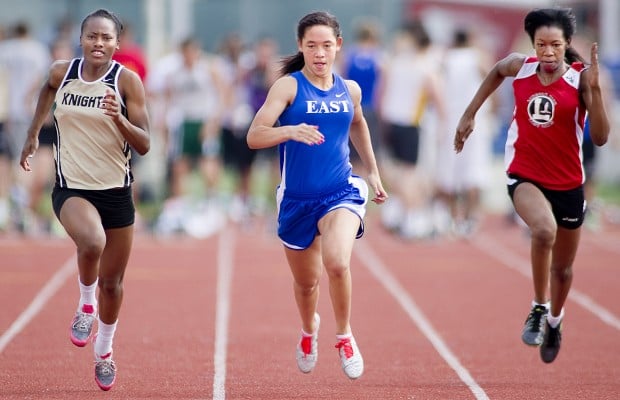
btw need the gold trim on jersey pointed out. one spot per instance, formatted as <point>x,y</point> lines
<point>90,152</point>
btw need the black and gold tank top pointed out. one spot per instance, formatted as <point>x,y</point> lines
<point>90,152</point>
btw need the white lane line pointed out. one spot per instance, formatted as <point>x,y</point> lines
<point>376,267</point>
<point>512,260</point>
<point>225,265</point>
<point>49,290</point>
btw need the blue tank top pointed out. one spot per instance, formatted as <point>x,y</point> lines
<point>309,171</point>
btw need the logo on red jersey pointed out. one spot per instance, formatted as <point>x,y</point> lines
<point>541,109</point>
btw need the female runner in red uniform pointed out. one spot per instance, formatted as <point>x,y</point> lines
<point>553,91</point>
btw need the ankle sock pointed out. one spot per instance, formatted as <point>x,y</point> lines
<point>105,337</point>
<point>546,305</point>
<point>87,294</point>
<point>555,321</point>
<point>344,336</point>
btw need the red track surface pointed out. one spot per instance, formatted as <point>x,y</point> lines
<point>445,324</point>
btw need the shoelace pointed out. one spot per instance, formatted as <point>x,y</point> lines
<point>105,367</point>
<point>345,345</point>
<point>83,322</point>
<point>535,317</point>
<point>306,345</point>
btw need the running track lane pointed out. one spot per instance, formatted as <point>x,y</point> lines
<point>264,330</point>
<point>481,300</point>
<point>473,302</point>
<point>164,342</point>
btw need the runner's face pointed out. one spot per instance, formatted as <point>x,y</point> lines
<point>99,40</point>
<point>550,47</point>
<point>319,46</point>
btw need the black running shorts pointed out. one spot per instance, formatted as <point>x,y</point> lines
<point>115,206</point>
<point>568,206</point>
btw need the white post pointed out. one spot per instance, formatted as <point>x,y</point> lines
<point>155,38</point>
<point>181,21</point>
<point>609,17</point>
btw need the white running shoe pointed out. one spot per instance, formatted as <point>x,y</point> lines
<point>82,325</point>
<point>307,350</point>
<point>350,357</point>
<point>105,371</point>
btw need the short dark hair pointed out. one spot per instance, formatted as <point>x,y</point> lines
<point>103,13</point>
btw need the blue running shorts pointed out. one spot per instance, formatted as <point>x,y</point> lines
<point>298,216</point>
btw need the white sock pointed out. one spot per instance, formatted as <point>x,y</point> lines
<point>555,321</point>
<point>87,294</point>
<point>105,337</point>
<point>546,305</point>
<point>344,336</point>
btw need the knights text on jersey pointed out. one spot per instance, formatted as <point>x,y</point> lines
<point>90,152</point>
<point>546,133</point>
<point>312,170</point>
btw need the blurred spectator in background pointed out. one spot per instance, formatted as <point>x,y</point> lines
<point>411,85</point>
<point>157,102</point>
<point>581,43</point>
<point>67,30</point>
<point>130,53</point>
<point>5,147</point>
<point>25,61</point>
<point>236,63</point>
<point>263,71</point>
<point>260,77</point>
<point>41,180</point>
<point>195,94</point>
<point>462,177</point>
<point>362,62</point>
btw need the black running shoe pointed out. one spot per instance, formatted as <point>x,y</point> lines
<point>550,346</point>
<point>534,326</point>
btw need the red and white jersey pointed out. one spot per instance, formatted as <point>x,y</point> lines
<point>545,136</point>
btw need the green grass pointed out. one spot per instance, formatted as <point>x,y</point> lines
<point>262,188</point>
<point>609,193</point>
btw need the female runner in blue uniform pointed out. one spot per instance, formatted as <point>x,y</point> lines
<point>321,205</point>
